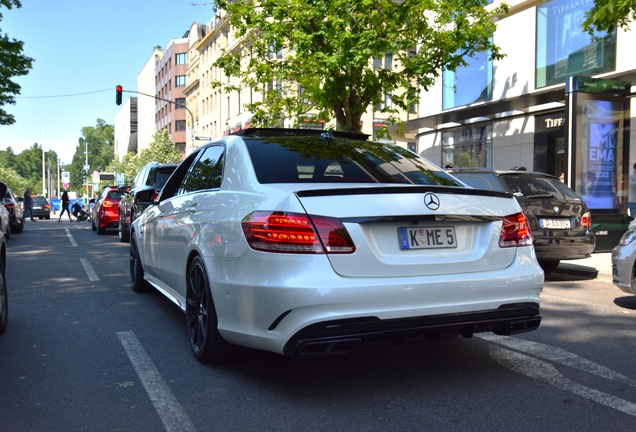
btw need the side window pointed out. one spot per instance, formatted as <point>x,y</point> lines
<point>139,178</point>
<point>200,175</point>
<point>215,182</point>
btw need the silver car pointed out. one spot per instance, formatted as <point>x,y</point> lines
<point>623,261</point>
<point>310,243</point>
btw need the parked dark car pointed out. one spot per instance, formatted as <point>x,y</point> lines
<point>105,214</point>
<point>145,188</point>
<point>15,211</point>
<point>4,302</point>
<point>41,207</point>
<point>559,219</point>
<point>5,228</point>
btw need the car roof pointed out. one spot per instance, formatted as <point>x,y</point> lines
<point>477,170</point>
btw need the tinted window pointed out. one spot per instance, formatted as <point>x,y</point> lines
<point>476,182</point>
<point>114,195</point>
<point>531,185</point>
<point>200,174</point>
<point>162,176</point>
<point>312,160</point>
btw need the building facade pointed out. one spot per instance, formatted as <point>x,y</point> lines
<point>559,103</point>
<point>146,85</point>
<point>125,128</point>
<point>170,81</point>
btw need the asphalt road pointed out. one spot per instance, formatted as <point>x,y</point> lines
<point>83,352</point>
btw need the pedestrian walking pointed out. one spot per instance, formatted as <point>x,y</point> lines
<point>631,197</point>
<point>65,204</point>
<point>28,204</point>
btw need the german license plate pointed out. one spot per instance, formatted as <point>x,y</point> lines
<point>427,238</point>
<point>37,207</point>
<point>555,223</point>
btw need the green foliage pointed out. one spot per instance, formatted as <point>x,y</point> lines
<point>12,63</point>
<point>101,152</point>
<point>161,149</point>
<point>328,47</point>
<point>607,15</point>
<point>16,183</point>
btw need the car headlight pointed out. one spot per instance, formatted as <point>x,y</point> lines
<point>628,237</point>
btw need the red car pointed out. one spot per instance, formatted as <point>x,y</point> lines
<point>105,213</point>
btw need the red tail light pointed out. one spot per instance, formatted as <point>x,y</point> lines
<point>296,233</point>
<point>108,203</point>
<point>586,220</point>
<point>47,207</point>
<point>515,232</point>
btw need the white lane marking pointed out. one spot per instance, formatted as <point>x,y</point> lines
<point>172,415</point>
<point>544,371</point>
<point>92,276</point>
<point>557,355</point>
<point>70,237</point>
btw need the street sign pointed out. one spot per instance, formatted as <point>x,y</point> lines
<point>203,138</point>
<point>66,177</point>
<point>95,176</point>
<point>119,179</point>
<point>65,185</point>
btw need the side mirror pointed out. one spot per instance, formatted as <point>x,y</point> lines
<point>3,189</point>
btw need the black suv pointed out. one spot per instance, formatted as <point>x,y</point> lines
<point>15,211</point>
<point>560,221</point>
<point>146,186</point>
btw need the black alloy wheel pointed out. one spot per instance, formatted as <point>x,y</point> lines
<point>206,342</point>
<point>4,301</point>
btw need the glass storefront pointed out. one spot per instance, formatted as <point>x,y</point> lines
<point>471,147</point>
<point>564,49</point>
<point>468,84</point>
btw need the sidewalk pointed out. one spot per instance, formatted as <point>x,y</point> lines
<point>599,265</point>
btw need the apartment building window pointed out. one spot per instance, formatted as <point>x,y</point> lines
<point>468,84</point>
<point>179,125</point>
<point>388,61</point>
<point>180,80</point>
<point>181,146</point>
<point>180,102</point>
<point>468,147</point>
<point>180,59</point>
<point>565,49</point>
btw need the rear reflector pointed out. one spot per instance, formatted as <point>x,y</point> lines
<point>515,232</point>
<point>296,233</point>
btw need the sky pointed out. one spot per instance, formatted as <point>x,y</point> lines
<point>82,50</point>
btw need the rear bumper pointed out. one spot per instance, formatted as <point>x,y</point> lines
<point>343,336</point>
<point>564,247</point>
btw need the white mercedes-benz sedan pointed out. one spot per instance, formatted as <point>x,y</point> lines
<point>310,243</point>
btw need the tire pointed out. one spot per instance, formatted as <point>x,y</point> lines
<point>206,342</point>
<point>100,230</point>
<point>7,234</point>
<point>138,283</point>
<point>124,234</point>
<point>93,227</point>
<point>48,217</point>
<point>4,301</point>
<point>549,266</point>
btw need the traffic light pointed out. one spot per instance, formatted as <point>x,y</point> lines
<point>118,90</point>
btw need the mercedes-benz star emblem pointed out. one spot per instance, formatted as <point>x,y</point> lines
<point>431,201</point>
<point>556,209</point>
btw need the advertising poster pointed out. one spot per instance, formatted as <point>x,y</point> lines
<point>601,155</point>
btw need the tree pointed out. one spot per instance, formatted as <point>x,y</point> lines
<point>12,63</point>
<point>161,149</point>
<point>608,15</point>
<point>318,56</point>
<point>98,141</point>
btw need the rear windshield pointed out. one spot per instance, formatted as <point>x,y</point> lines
<point>114,195</point>
<point>161,177</point>
<point>537,185</point>
<point>312,160</point>
<point>40,200</point>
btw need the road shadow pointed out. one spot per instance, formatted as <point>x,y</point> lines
<point>627,302</point>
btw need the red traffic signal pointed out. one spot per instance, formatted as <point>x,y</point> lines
<point>118,91</point>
